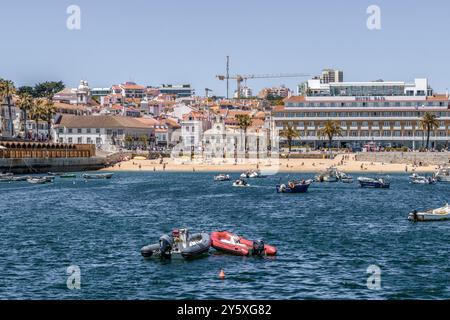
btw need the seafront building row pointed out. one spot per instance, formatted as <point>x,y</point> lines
<point>385,113</point>
<point>134,116</point>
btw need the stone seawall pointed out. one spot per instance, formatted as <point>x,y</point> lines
<point>430,158</point>
<point>42,165</point>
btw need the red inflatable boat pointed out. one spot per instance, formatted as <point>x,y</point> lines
<point>231,243</point>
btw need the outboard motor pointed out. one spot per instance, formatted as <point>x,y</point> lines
<point>258,248</point>
<point>165,246</point>
<point>415,216</point>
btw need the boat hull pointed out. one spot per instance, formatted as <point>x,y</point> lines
<point>428,217</point>
<point>230,243</point>
<point>300,188</point>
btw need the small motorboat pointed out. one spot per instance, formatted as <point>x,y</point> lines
<point>294,186</point>
<point>97,176</point>
<point>68,176</point>
<point>37,180</point>
<point>233,244</point>
<point>416,179</point>
<point>330,175</point>
<point>251,174</point>
<point>443,175</point>
<point>241,183</point>
<point>20,178</point>
<point>179,245</point>
<point>431,215</point>
<point>55,174</point>
<point>379,183</point>
<point>345,178</point>
<point>7,174</point>
<point>222,177</point>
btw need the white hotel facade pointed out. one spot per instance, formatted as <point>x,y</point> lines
<point>386,113</point>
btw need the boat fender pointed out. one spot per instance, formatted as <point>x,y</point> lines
<point>258,248</point>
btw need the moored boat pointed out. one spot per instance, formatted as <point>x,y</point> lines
<point>97,176</point>
<point>329,175</point>
<point>416,179</point>
<point>37,180</point>
<point>241,183</point>
<point>443,175</point>
<point>294,186</point>
<point>68,176</point>
<point>438,214</point>
<point>379,183</point>
<point>222,177</point>
<point>252,174</point>
<point>180,244</point>
<point>345,178</point>
<point>233,244</point>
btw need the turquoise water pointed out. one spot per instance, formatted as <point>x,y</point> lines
<point>326,239</point>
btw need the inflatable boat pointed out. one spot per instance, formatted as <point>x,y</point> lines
<point>178,245</point>
<point>233,244</point>
<point>97,176</point>
<point>242,183</point>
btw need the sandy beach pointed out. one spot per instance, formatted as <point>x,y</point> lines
<point>272,166</point>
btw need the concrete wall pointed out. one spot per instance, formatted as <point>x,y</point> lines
<point>430,158</point>
<point>34,165</point>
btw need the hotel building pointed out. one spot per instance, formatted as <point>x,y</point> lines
<point>385,113</point>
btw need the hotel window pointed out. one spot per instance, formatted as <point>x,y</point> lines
<point>69,130</point>
<point>69,140</point>
<point>375,133</point>
<point>88,130</point>
<point>442,133</point>
<point>109,132</point>
<point>397,133</point>
<point>89,141</point>
<point>386,133</point>
<point>354,133</point>
<point>343,124</point>
<point>375,124</point>
<point>365,124</point>
<point>78,130</point>
<point>311,133</point>
<point>397,124</point>
<point>408,124</point>
<point>364,133</point>
<point>98,140</point>
<point>80,140</point>
<point>354,124</point>
<point>120,132</point>
<point>60,130</point>
<point>97,130</point>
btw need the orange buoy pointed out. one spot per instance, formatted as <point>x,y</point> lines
<point>221,274</point>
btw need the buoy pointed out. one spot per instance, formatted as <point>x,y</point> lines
<point>221,274</point>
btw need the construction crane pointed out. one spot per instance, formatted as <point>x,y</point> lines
<point>207,91</point>
<point>243,78</point>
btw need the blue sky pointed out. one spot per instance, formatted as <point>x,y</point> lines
<point>179,41</point>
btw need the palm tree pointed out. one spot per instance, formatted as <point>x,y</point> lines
<point>48,113</point>
<point>244,121</point>
<point>429,122</point>
<point>36,114</point>
<point>290,134</point>
<point>25,104</point>
<point>330,130</point>
<point>7,89</point>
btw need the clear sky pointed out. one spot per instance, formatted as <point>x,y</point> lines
<point>179,41</point>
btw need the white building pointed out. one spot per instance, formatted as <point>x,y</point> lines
<point>79,95</point>
<point>106,132</point>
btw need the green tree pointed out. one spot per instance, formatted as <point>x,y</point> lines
<point>7,90</point>
<point>25,104</point>
<point>290,134</point>
<point>48,89</point>
<point>244,121</point>
<point>144,140</point>
<point>26,89</point>
<point>48,112</point>
<point>330,130</point>
<point>36,114</point>
<point>429,122</point>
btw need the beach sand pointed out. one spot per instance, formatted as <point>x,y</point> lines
<point>274,166</point>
